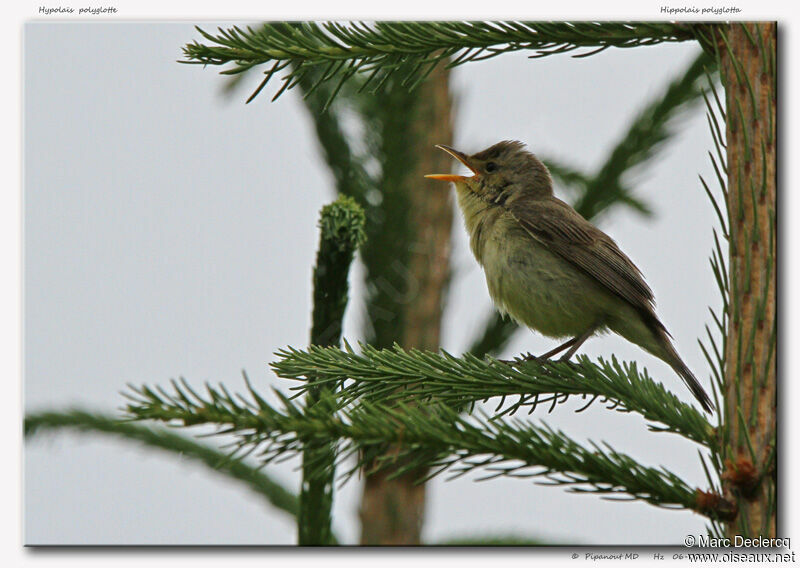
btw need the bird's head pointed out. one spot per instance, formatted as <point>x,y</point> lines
<point>501,172</point>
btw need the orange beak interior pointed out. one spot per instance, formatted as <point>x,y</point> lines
<point>461,157</point>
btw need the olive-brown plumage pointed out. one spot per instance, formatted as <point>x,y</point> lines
<point>547,266</point>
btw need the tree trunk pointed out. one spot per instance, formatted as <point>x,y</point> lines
<point>748,66</point>
<point>392,510</point>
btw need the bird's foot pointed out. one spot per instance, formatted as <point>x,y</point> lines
<point>523,359</point>
<point>541,360</point>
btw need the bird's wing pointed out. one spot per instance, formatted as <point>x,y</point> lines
<point>558,227</point>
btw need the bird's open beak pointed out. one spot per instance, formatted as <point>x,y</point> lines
<point>461,157</point>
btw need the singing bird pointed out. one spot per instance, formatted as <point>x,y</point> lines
<point>548,267</point>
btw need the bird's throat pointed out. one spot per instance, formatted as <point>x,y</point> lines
<point>480,216</point>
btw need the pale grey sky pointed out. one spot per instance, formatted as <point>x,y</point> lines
<point>171,232</point>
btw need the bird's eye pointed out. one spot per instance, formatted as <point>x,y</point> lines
<point>490,167</point>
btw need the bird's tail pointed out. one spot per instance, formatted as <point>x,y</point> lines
<point>691,382</point>
<point>661,346</point>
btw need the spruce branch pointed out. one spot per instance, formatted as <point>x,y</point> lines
<point>390,139</point>
<point>397,375</point>
<point>347,167</point>
<point>716,354</point>
<point>434,436</point>
<point>82,421</point>
<point>581,184</point>
<point>413,48</point>
<point>653,126</point>
<point>714,345</point>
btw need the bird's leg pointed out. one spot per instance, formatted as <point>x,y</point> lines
<point>573,345</point>
<point>577,342</point>
<point>558,349</point>
<point>546,356</point>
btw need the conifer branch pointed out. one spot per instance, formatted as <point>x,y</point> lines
<point>435,437</point>
<point>380,49</point>
<point>397,375</point>
<point>345,164</point>
<point>94,423</point>
<point>654,125</point>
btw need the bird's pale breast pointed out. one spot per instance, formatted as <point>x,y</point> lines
<point>536,287</point>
